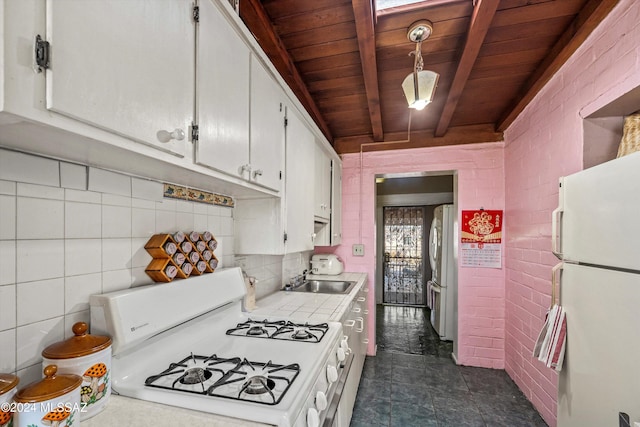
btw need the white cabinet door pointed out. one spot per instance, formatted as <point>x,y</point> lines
<point>222,95</point>
<point>129,71</point>
<point>267,128</point>
<point>322,205</point>
<point>336,203</point>
<point>299,184</point>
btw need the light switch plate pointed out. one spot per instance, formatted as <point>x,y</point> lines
<point>358,249</point>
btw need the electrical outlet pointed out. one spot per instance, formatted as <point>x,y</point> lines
<point>358,250</point>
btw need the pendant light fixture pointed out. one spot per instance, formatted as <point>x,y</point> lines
<point>420,86</point>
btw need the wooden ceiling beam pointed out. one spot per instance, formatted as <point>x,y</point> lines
<point>255,17</point>
<point>363,11</point>
<point>584,23</point>
<point>419,139</point>
<point>481,19</point>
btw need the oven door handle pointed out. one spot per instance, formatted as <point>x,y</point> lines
<point>332,410</point>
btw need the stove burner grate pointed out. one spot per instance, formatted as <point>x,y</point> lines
<point>280,330</point>
<point>238,379</point>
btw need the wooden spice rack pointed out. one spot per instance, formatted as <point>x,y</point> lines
<point>159,247</point>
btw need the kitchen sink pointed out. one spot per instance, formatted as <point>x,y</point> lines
<point>325,286</point>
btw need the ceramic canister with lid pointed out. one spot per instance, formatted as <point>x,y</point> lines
<point>51,402</point>
<point>8,387</point>
<point>88,356</point>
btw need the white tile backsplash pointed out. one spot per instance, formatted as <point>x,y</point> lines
<point>184,221</point>
<point>26,168</point>
<point>116,280</point>
<point>143,222</point>
<point>116,254</point>
<point>73,176</point>
<point>8,188</point>
<point>82,220</point>
<point>61,242</point>
<point>116,221</point>
<point>41,300</point>
<point>7,262</point>
<point>166,221</point>
<point>33,338</point>
<point>39,260</point>
<point>146,189</point>
<point>40,191</point>
<point>139,255</point>
<point>7,307</point>
<point>77,290</point>
<point>8,350</point>
<point>82,256</point>
<point>109,182</point>
<point>7,217</point>
<point>39,218</point>
<point>82,196</point>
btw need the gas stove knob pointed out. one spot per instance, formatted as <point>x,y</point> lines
<point>313,418</point>
<point>344,345</point>
<point>332,374</point>
<point>321,401</point>
<point>341,354</point>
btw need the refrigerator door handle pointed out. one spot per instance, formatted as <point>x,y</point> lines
<point>555,284</point>
<point>556,231</point>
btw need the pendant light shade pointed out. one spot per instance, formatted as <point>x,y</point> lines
<point>419,88</point>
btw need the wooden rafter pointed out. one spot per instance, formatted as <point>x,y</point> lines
<point>419,139</point>
<point>255,17</point>
<point>364,15</point>
<point>585,22</point>
<point>480,22</point>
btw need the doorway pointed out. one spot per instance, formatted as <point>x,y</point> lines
<point>404,255</point>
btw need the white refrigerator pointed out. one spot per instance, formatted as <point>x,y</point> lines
<point>596,233</point>
<point>442,286</point>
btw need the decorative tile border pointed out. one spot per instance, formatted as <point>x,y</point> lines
<point>173,191</point>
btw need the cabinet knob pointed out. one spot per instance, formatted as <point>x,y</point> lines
<point>257,173</point>
<point>166,136</point>
<point>244,168</point>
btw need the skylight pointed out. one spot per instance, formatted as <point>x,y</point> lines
<point>388,4</point>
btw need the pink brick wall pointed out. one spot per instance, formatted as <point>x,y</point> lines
<point>480,171</point>
<point>544,143</point>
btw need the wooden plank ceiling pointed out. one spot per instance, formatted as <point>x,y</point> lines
<point>346,64</point>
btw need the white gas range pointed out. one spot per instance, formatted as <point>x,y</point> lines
<point>189,344</point>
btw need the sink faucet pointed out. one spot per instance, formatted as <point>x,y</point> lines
<point>299,279</point>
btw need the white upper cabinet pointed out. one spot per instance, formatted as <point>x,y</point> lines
<point>222,95</point>
<point>299,184</point>
<point>126,68</point>
<point>266,155</point>
<point>336,203</point>
<point>322,205</point>
<point>240,106</point>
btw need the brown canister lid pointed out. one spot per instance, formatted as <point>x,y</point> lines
<point>50,387</point>
<point>7,383</point>
<point>81,344</point>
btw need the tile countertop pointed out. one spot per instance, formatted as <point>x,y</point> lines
<point>301,306</point>
<point>125,411</point>
<point>310,307</point>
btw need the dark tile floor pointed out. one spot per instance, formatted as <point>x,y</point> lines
<point>413,382</point>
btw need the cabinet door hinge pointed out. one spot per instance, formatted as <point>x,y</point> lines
<point>196,13</point>
<point>286,122</point>
<point>195,133</point>
<point>285,237</point>
<point>42,54</point>
<point>280,175</point>
<point>281,107</point>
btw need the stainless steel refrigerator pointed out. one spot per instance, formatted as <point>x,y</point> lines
<point>596,234</point>
<point>442,286</point>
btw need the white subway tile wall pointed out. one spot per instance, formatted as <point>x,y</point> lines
<point>61,243</point>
